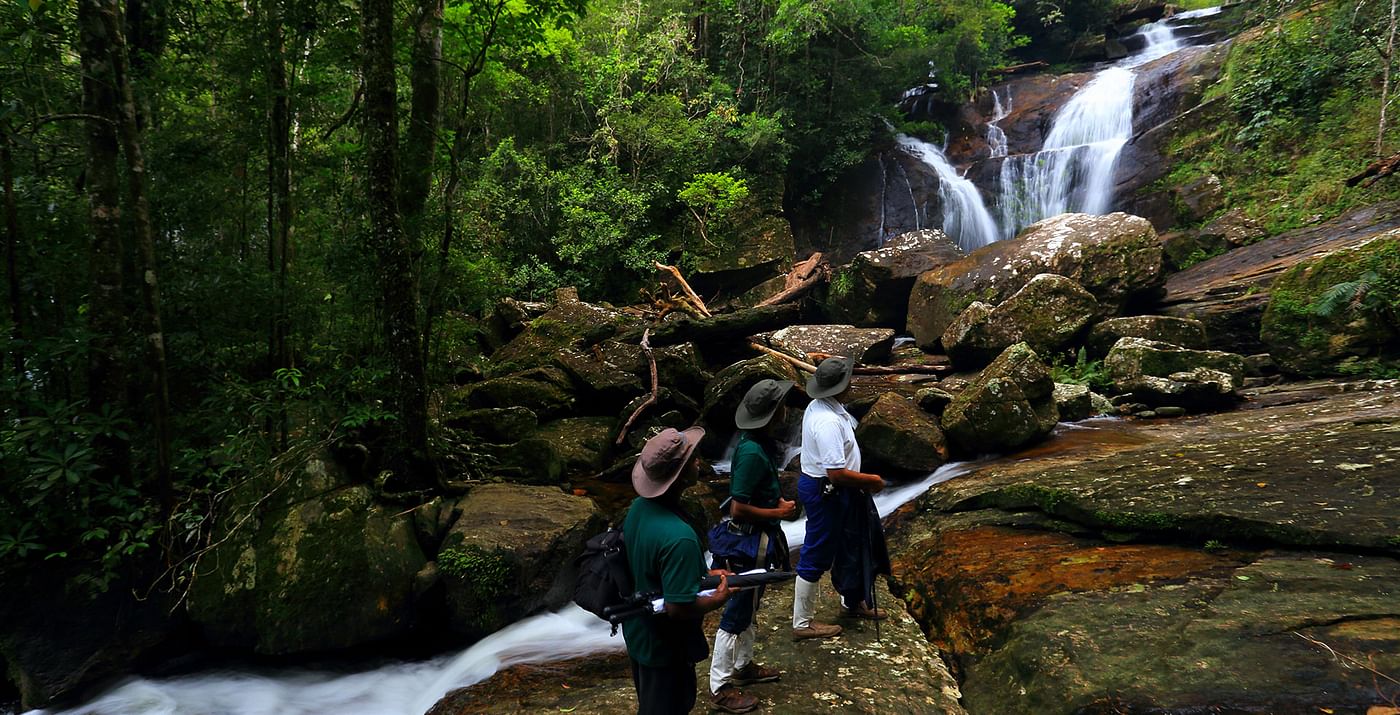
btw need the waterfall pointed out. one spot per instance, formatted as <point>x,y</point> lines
<point>996,138</point>
<point>965,217</point>
<point>1074,169</point>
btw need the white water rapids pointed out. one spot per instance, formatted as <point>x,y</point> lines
<point>405,688</point>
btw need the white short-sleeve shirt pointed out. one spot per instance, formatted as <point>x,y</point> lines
<point>828,438</point>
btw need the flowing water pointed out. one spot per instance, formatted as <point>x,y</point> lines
<point>1074,169</point>
<point>965,216</point>
<point>406,688</point>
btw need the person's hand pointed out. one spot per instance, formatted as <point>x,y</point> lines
<point>723,591</point>
<point>787,509</point>
<point>877,485</point>
<point>720,572</point>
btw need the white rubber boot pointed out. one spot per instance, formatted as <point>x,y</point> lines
<point>804,605</point>
<point>722,658</point>
<point>743,654</point>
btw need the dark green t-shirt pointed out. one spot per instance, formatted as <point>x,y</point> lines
<point>664,554</point>
<point>753,479</point>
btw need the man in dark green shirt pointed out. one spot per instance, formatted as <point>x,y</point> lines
<point>664,554</point>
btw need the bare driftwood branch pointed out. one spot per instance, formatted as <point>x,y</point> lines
<point>800,364</point>
<point>859,369</point>
<point>724,327</point>
<point>700,304</point>
<point>803,276</point>
<point>655,389</point>
<point>1376,171</point>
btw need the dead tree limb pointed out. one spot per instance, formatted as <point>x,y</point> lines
<point>700,304</point>
<point>720,328</point>
<point>800,279</point>
<point>655,389</point>
<point>1376,171</point>
<point>795,362</point>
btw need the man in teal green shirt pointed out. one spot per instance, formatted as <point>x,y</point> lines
<point>664,554</point>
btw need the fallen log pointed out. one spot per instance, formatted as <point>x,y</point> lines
<point>858,369</point>
<point>689,293</point>
<point>723,327</point>
<point>1017,69</point>
<point>1378,170</point>
<point>802,278</point>
<point>655,390</point>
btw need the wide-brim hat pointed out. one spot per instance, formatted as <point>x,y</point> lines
<point>760,403</point>
<point>662,459</point>
<point>831,377</point>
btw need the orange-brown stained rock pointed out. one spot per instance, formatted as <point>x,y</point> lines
<point>965,585</point>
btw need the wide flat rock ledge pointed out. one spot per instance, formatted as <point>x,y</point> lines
<point>853,673</point>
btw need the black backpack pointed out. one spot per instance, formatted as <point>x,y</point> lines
<point>604,577</point>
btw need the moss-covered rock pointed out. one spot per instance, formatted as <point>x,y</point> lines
<point>723,393</point>
<point>873,289</point>
<point>557,451</point>
<point>546,391</point>
<point>331,569</point>
<point>865,345</point>
<point>1048,313</point>
<point>1113,257</point>
<point>1010,404</point>
<point>1132,359</point>
<point>763,249</point>
<point>896,436</point>
<point>602,385</point>
<point>558,328</point>
<point>1073,402</point>
<point>511,554</point>
<point>1193,390</point>
<point>501,425</point>
<point>1344,305</point>
<point>1183,332</point>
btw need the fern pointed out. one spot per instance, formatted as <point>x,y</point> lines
<point>1351,296</point>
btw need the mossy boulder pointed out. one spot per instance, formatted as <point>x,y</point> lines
<point>1074,402</point>
<point>511,553</point>
<point>323,568</point>
<point>1010,404</point>
<point>566,322</point>
<point>678,367</point>
<point>501,425</point>
<point>1336,311</point>
<point>546,391</point>
<point>602,385</point>
<point>896,436</point>
<point>763,249</point>
<point>569,447</point>
<point>1193,390</point>
<point>1113,257</point>
<point>1131,359</point>
<point>1048,313</point>
<point>1184,332</point>
<point>873,289</point>
<point>723,393</point>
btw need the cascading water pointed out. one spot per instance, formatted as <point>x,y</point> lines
<point>996,138</point>
<point>1074,169</point>
<point>409,688</point>
<point>965,216</point>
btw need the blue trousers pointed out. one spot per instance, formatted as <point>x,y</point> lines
<point>827,546</point>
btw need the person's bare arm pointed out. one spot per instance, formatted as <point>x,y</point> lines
<point>860,480</point>
<point>750,514</point>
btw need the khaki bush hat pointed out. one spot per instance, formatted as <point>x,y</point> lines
<point>662,459</point>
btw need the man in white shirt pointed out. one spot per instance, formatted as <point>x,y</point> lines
<point>841,527</point>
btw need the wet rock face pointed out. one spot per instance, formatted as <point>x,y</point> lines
<point>1047,314</point>
<point>1218,563</point>
<point>873,289</point>
<point>1010,404</point>
<point>1113,257</point>
<point>1336,308</point>
<point>889,194</point>
<point>1230,292</point>
<point>511,554</point>
<point>895,435</point>
<point>323,567</point>
<point>724,392</point>
<point>554,452</point>
<point>764,251</point>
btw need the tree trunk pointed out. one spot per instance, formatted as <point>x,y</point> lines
<point>279,203</point>
<point>106,368</point>
<point>130,135</point>
<point>420,142</point>
<point>398,276</point>
<point>16,353</point>
<point>1387,61</point>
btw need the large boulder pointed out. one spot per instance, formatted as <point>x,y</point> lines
<point>1339,307</point>
<point>1047,314</point>
<point>511,552</point>
<point>724,392</point>
<point>865,345</point>
<point>559,327</point>
<point>319,566</point>
<point>1113,257</point>
<point>500,425</point>
<point>603,385</point>
<point>546,391</point>
<point>873,289</point>
<point>1010,404</point>
<point>1133,358</point>
<point>565,448</point>
<point>763,250</point>
<point>677,366</point>
<point>895,435</point>
<point>1074,402</point>
<point>1183,332</point>
<point>1193,390</point>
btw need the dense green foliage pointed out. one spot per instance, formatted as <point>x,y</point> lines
<point>571,145</point>
<point>1295,115</point>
